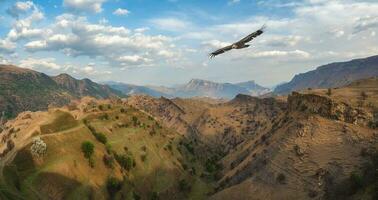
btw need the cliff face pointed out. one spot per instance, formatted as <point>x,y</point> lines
<point>326,107</point>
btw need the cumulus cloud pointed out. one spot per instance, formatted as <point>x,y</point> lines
<point>20,8</point>
<point>216,44</point>
<point>121,11</point>
<point>39,63</point>
<point>75,36</point>
<point>7,46</point>
<point>94,6</point>
<point>366,23</point>
<point>170,24</point>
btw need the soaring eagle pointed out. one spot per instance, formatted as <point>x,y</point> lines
<point>239,44</point>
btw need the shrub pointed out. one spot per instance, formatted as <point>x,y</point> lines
<point>184,185</point>
<point>100,137</point>
<point>122,110</point>
<point>38,147</point>
<point>101,107</point>
<point>126,161</point>
<point>113,185</point>
<point>87,148</point>
<point>135,121</point>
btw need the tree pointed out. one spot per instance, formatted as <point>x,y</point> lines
<point>87,148</point>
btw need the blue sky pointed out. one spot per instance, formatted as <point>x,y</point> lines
<point>166,42</point>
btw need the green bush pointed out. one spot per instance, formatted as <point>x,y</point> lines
<point>100,137</point>
<point>113,185</point>
<point>87,148</point>
<point>126,161</point>
<point>184,185</point>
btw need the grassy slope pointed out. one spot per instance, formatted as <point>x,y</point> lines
<point>64,173</point>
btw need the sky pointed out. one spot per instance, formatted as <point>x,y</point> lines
<point>167,42</point>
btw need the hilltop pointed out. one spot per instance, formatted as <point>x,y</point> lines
<point>332,75</point>
<point>24,89</point>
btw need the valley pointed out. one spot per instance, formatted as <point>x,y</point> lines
<point>302,146</point>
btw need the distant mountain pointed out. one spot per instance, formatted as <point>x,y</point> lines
<point>24,89</point>
<point>253,88</point>
<point>129,89</point>
<point>332,75</point>
<point>194,88</point>
<point>203,88</point>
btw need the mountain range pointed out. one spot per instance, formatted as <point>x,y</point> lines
<point>194,88</point>
<point>332,75</point>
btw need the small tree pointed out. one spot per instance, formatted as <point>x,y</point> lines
<point>87,148</point>
<point>38,147</point>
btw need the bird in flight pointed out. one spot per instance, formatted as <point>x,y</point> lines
<point>239,44</point>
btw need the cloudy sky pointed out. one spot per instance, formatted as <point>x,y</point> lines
<point>167,42</point>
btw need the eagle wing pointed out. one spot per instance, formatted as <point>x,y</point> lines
<point>220,51</point>
<point>253,35</point>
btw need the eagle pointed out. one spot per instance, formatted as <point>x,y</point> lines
<point>239,44</point>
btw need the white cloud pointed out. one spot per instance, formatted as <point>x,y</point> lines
<point>171,24</point>
<point>75,36</point>
<point>7,46</point>
<point>94,6</point>
<point>20,8</point>
<point>121,11</point>
<point>276,53</point>
<point>41,63</point>
<point>216,43</point>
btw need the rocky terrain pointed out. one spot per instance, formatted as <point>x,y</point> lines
<point>311,144</point>
<point>24,89</point>
<point>303,147</point>
<point>332,75</point>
